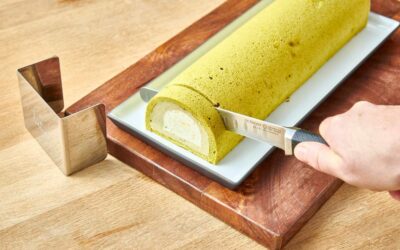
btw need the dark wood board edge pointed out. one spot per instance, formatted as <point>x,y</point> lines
<point>262,235</point>
<point>197,196</point>
<point>323,197</point>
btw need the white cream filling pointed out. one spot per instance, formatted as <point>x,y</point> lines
<point>182,126</point>
<point>171,120</point>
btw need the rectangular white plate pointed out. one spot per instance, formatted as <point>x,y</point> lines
<point>243,159</point>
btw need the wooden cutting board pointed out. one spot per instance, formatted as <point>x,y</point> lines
<point>282,193</point>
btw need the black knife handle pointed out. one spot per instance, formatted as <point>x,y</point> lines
<point>300,135</point>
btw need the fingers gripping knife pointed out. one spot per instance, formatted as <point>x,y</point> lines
<point>285,138</point>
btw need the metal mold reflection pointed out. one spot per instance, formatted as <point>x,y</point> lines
<point>73,141</point>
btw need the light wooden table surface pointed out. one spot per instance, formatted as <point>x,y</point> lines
<point>110,204</point>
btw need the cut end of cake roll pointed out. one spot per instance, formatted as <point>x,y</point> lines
<point>172,121</point>
<point>191,123</point>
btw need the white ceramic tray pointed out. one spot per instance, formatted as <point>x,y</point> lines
<point>243,159</point>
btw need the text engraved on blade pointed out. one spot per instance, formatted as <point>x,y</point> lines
<point>264,127</point>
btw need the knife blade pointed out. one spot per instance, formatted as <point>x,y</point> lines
<point>282,137</point>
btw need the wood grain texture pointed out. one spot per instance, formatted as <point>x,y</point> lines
<point>282,194</point>
<point>110,205</point>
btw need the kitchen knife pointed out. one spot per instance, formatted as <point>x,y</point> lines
<point>285,138</point>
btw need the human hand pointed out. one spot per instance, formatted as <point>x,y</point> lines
<point>364,147</point>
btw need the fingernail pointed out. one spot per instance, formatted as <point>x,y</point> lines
<point>395,194</point>
<point>300,152</point>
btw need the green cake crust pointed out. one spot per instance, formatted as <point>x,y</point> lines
<point>258,66</point>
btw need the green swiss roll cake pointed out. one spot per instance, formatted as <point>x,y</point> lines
<point>252,71</point>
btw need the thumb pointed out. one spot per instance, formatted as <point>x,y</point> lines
<point>318,156</point>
